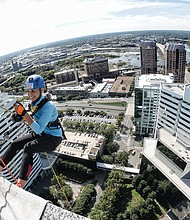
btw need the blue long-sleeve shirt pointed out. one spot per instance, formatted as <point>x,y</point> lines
<point>47,113</point>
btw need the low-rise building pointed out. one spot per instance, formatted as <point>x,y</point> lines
<point>71,90</point>
<point>83,146</point>
<point>66,76</point>
<point>101,90</point>
<point>122,86</point>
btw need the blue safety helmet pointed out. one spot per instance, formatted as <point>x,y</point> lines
<point>34,82</point>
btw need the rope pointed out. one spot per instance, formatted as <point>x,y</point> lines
<point>6,109</point>
<point>14,178</point>
<point>58,180</point>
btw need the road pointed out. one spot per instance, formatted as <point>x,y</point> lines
<point>161,47</point>
<point>101,176</point>
<point>83,105</point>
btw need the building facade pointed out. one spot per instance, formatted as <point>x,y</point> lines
<point>66,76</point>
<point>147,94</point>
<point>169,151</point>
<point>96,68</point>
<point>175,61</point>
<point>101,90</point>
<point>148,55</point>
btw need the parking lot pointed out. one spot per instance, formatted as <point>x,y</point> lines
<point>84,118</point>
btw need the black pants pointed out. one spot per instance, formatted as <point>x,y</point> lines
<point>30,143</point>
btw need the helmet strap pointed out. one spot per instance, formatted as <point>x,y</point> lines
<point>41,91</point>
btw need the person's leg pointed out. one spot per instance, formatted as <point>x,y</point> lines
<point>15,146</point>
<point>44,143</point>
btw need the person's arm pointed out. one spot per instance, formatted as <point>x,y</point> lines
<point>28,119</point>
<point>21,111</point>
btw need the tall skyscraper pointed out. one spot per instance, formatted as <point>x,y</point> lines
<point>170,150</point>
<point>147,94</point>
<point>148,54</point>
<point>175,60</point>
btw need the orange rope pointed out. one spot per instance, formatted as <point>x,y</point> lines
<point>14,178</point>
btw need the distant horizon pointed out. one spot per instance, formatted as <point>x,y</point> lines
<point>28,23</point>
<point>86,36</point>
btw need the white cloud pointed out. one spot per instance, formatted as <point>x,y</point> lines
<point>26,23</point>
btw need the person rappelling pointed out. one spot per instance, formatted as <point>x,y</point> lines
<point>46,131</point>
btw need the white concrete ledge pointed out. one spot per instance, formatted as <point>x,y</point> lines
<point>19,204</point>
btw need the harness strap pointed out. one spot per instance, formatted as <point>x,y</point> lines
<point>40,105</point>
<point>55,123</point>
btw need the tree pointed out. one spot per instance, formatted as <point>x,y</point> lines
<point>109,204</point>
<point>69,111</point>
<point>112,147</point>
<point>137,180</point>
<point>60,190</point>
<point>121,158</point>
<point>83,201</point>
<point>108,132</point>
<point>107,159</point>
<point>141,186</point>
<point>60,113</point>
<point>146,191</point>
<point>124,216</point>
<point>79,111</point>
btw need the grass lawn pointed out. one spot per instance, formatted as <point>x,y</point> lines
<point>136,199</point>
<point>111,103</point>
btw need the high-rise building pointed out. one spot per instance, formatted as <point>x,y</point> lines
<point>148,54</point>
<point>9,131</point>
<point>175,61</point>
<point>169,151</point>
<point>147,94</point>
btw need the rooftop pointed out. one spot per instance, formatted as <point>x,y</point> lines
<point>153,79</point>
<point>80,145</point>
<point>71,88</point>
<point>64,71</point>
<point>95,59</point>
<point>175,146</point>
<point>175,46</point>
<point>167,167</point>
<point>122,84</point>
<point>177,88</point>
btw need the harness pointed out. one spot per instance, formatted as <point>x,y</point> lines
<point>50,125</point>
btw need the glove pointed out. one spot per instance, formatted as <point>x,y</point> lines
<point>19,109</point>
<point>16,118</point>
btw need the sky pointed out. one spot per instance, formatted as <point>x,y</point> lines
<point>28,23</point>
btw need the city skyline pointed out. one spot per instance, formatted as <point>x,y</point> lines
<point>28,23</point>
